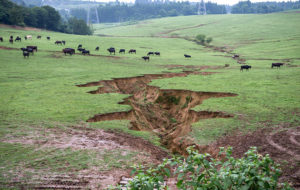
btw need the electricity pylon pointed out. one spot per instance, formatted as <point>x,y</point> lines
<point>202,8</point>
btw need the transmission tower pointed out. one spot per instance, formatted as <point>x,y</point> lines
<point>97,16</point>
<point>201,8</point>
<point>88,13</point>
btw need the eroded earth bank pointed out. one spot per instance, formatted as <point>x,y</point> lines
<point>163,111</point>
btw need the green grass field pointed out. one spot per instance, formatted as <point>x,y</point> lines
<point>40,93</point>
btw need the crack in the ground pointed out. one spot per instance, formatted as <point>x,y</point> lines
<point>164,111</point>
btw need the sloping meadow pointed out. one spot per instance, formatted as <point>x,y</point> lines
<point>41,104</point>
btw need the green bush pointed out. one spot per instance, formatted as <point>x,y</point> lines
<point>201,38</point>
<point>202,172</point>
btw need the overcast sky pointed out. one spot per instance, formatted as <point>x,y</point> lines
<point>227,2</point>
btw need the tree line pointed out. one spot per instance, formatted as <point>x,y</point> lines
<point>121,12</point>
<point>247,7</point>
<point>45,17</point>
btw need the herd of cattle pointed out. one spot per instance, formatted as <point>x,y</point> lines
<point>30,49</point>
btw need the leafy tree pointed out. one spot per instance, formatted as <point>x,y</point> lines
<point>41,15</point>
<point>52,18</point>
<point>78,26</point>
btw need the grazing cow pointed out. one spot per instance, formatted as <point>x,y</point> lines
<point>278,65</point>
<point>187,56</point>
<point>150,53</point>
<point>39,37</point>
<point>32,47</point>
<point>80,49</point>
<point>18,39</point>
<point>245,67</point>
<point>1,39</point>
<point>97,48</point>
<point>132,51</point>
<point>29,37</point>
<point>70,51</point>
<point>11,41</point>
<point>64,42</point>
<point>48,37</point>
<point>146,58</point>
<point>111,50</point>
<point>25,37</point>
<point>26,54</point>
<point>79,46</point>
<point>235,56</point>
<point>29,50</point>
<point>84,52</point>
<point>11,37</point>
<point>58,42</point>
<point>157,53</point>
<point>122,51</point>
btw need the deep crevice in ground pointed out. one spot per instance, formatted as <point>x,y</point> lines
<point>165,112</point>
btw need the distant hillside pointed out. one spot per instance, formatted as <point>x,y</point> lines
<point>243,33</point>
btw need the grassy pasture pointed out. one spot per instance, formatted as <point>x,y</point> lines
<point>40,92</point>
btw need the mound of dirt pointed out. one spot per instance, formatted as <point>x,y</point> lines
<point>282,144</point>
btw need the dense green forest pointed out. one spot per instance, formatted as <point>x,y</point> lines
<point>121,12</point>
<point>44,17</point>
<point>246,7</point>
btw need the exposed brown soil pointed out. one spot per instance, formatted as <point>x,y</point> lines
<point>165,112</point>
<point>8,48</point>
<point>79,138</point>
<point>282,144</point>
<point>19,27</point>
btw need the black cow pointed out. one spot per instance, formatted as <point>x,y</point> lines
<point>29,50</point>
<point>79,46</point>
<point>157,53</point>
<point>84,52</point>
<point>187,56</point>
<point>122,51</point>
<point>80,49</point>
<point>25,37</point>
<point>26,54</point>
<point>11,37</point>
<point>132,51</point>
<point>97,48</point>
<point>245,67</point>
<point>58,42</point>
<point>32,47</point>
<point>64,42</point>
<point>111,50</point>
<point>11,41</point>
<point>150,53</point>
<point>1,39</point>
<point>278,65</point>
<point>70,51</point>
<point>235,56</point>
<point>48,37</point>
<point>146,58</point>
<point>18,39</point>
<point>39,37</point>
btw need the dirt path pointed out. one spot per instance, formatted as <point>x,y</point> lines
<point>165,112</point>
<point>79,138</point>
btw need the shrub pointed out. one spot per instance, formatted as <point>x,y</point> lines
<point>201,38</point>
<point>208,40</point>
<point>201,171</point>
